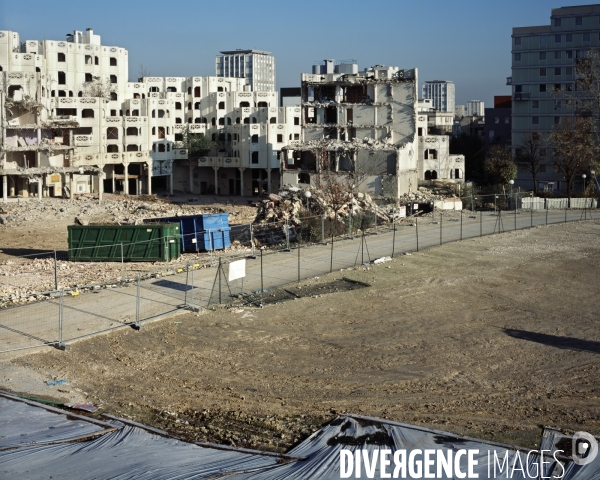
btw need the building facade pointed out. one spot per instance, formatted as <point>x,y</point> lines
<point>543,71</point>
<point>364,124</point>
<point>475,108</point>
<point>72,123</point>
<point>434,160</point>
<point>255,65</point>
<point>441,92</point>
<point>498,124</point>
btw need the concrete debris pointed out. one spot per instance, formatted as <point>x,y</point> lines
<point>343,145</point>
<point>382,260</point>
<point>291,204</point>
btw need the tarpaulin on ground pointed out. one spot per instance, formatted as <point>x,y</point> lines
<point>22,424</point>
<point>44,443</point>
<point>322,451</point>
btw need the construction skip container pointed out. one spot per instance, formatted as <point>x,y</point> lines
<point>133,243</point>
<point>208,231</point>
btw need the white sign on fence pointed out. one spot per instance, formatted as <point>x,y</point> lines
<point>237,269</point>
<point>403,212</point>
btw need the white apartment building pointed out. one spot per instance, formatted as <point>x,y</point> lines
<point>434,159</point>
<point>475,108</point>
<point>58,138</point>
<point>441,92</point>
<point>363,123</point>
<point>543,72</point>
<point>255,65</point>
<point>460,111</point>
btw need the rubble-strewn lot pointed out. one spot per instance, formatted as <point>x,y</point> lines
<point>489,337</point>
<point>32,227</point>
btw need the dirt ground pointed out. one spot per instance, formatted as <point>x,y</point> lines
<point>490,337</point>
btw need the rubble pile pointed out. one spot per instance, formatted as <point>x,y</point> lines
<point>291,204</point>
<point>86,210</point>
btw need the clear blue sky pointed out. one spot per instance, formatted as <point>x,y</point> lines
<point>465,41</point>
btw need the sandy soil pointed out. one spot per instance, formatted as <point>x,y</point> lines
<point>490,337</point>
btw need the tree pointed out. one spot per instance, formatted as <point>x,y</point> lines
<point>573,146</point>
<point>529,156</point>
<point>499,166</point>
<point>196,144</point>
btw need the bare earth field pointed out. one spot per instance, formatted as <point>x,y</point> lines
<point>490,337</point>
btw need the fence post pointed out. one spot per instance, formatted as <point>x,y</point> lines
<point>515,211</point>
<point>262,287</point>
<point>546,214</point>
<point>287,235</point>
<point>331,257</point>
<point>531,214</point>
<point>55,273</point>
<point>461,215</point>
<point>481,223</point>
<point>323,229</point>
<point>298,263</point>
<point>219,280</point>
<point>500,221</point>
<point>61,345</point>
<point>60,318</point>
<point>252,240</point>
<point>565,214</point>
<point>393,236</point>
<point>187,276</point>
<point>192,289</point>
<point>417,231</point>
<point>137,304</point>
<point>441,222</point>
<point>362,248</point>
<point>122,265</point>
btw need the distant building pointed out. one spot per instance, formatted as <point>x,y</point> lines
<point>441,92</point>
<point>438,122</point>
<point>290,97</point>
<point>255,65</point>
<point>497,127</point>
<point>349,67</point>
<point>475,108</point>
<point>460,111</point>
<point>543,65</point>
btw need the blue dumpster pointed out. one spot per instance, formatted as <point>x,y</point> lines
<point>207,231</point>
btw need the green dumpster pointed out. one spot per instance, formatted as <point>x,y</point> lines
<point>134,243</point>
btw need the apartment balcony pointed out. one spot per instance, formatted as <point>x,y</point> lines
<point>509,80</point>
<point>521,96</point>
<point>83,140</point>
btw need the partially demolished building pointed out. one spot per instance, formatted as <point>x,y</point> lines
<point>71,122</point>
<point>435,161</point>
<point>360,126</point>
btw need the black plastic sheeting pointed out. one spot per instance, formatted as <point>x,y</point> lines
<point>23,425</point>
<point>41,442</point>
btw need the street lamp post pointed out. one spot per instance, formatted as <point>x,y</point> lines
<point>307,194</point>
<point>511,183</point>
<point>583,176</point>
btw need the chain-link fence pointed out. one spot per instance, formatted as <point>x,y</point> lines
<point>267,256</point>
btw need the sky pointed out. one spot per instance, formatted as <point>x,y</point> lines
<point>466,41</point>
